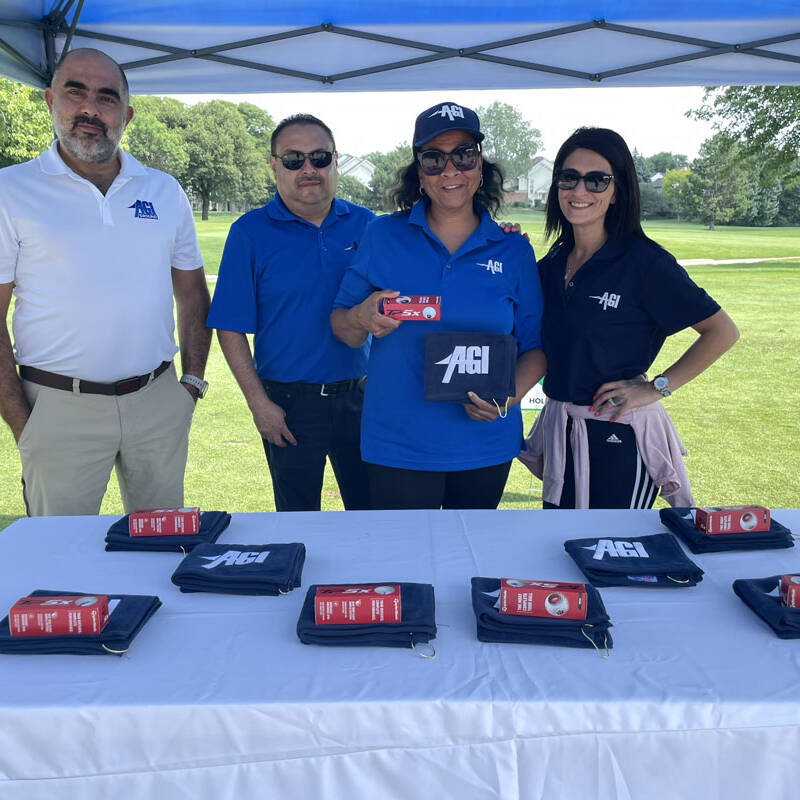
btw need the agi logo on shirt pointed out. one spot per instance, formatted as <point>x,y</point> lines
<point>607,299</point>
<point>143,209</point>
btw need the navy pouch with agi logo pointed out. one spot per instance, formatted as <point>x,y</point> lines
<point>457,363</point>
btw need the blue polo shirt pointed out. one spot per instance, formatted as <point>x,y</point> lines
<point>489,285</point>
<point>611,321</point>
<point>278,277</point>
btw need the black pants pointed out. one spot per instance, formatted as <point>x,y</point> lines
<point>617,474</point>
<point>394,488</point>
<point>323,426</point>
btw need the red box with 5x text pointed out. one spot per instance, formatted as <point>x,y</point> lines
<point>732,519</point>
<point>414,308</point>
<point>547,599</point>
<point>790,591</point>
<point>164,522</point>
<point>58,616</point>
<point>358,604</point>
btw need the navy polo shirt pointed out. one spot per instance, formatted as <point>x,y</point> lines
<point>489,285</point>
<point>278,277</point>
<point>611,321</point>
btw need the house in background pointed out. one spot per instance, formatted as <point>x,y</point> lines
<point>533,187</point>
<point>357,168</point>
<point>657,180</point>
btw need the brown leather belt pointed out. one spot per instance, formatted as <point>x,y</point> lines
<point>126,386</point>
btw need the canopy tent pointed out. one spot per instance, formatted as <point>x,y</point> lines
<point>213,46</point>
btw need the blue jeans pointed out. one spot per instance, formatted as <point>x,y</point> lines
<point>324,426</point>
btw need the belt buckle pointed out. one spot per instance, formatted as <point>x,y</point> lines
<point>127,386</point>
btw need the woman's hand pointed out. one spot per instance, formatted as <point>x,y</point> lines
<point>369,317</point>
<point>617,397</point>
<point>480,410</point>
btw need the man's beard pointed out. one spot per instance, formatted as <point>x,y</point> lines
<point>92,151</point>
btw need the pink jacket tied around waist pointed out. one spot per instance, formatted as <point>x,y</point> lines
<point>659,445</point>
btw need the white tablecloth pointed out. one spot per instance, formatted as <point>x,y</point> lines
<point>218,699</point>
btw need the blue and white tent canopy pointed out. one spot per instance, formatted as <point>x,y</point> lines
<point>213,46</point>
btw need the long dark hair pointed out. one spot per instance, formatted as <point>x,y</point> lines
<point>623,218</point>
<point>406,189</point>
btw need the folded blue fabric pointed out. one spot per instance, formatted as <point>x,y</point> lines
<point>656,560</point>
<point>418,622</point>
<point>681,522</point>
<point>241,568</point>
<point>754,592</point>
<point>212,523</point>
<point>511,628</point>
<point>124,623</point>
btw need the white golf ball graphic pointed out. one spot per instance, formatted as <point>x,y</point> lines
<point>428,312</point>
<point>556,604</point>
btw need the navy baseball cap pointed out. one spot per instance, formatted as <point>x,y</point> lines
<point>445,117</point>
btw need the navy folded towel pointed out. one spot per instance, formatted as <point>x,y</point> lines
<point>496,627</point>
<point>212,523</point>
<point>418,624</point>
<point>124,623</point>
<point>681,522</point>
<point>241,568</point>
<point>755,593</point>
<point>656,560</point>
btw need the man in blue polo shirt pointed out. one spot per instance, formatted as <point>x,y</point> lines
<point>280,271</point>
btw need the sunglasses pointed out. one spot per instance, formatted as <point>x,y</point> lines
<point>595,182</point>
<point>464,158</point>
<point>294,160</point>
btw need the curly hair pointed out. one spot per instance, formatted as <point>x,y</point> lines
<point>623,218</point>
<point>406,189</point>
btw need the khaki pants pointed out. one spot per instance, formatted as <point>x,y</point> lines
<point>71,442</point>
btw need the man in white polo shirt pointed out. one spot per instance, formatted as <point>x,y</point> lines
<point>94,246</point>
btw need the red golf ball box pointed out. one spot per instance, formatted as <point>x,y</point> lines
<point>58,616</point>
<point>542,599</point>
<point>358,605</point>
<point>164,522</point>
<point>732,519</point>
<point>790,591</point>
<point>414,308</point>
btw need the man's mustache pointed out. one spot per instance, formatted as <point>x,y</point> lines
<point>84,120</point>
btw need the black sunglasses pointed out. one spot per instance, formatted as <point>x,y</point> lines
<point>595,182</point>
<point>464,158</point>
<point>294,160</point>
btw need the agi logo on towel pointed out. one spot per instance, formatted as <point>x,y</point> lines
<point>467,359</point>
<point>236,558</point>
<point>617,549</point>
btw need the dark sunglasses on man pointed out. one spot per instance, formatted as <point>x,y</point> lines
<point>464,158</point>
<point>294,160</point>
<point>595,182</point>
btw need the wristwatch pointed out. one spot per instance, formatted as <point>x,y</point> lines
<point>661,385</point>
<point>197,383</point>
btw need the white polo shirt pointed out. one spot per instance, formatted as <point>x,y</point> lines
<point>92,275</point>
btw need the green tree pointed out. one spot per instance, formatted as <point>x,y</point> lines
<point>171,112</point>
<point>353,191</point>
<point>678,193</point>
<point>510,139</point>
<point>224,164</point>
<point>661,162</point>
<point>642,170</point>
<point>764,120</point>
<point>25,126</point>
<point>259,125</point>
<point>150,141</point>
<point>719,180</point>
<point>654,204</point>
<point>387,165</point>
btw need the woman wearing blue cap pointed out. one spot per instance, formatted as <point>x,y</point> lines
<point>441,243</point>
<point>603,439</point>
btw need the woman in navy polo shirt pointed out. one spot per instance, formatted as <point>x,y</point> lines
<point>612,296</point>
<point>442,242</point>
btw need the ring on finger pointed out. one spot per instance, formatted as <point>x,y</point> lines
<point>615,401</point>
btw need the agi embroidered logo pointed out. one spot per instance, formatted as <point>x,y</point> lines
<point>143,210</point>
<point>472,360</point>
<point>617,549</point>
<point>236,558</point>
<point>492,266</point>
<point>449,111</point>
<point>606,299</point>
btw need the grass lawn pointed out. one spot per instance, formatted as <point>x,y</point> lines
<point>737,419</point>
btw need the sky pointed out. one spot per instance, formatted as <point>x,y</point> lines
<point>650,119</point>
